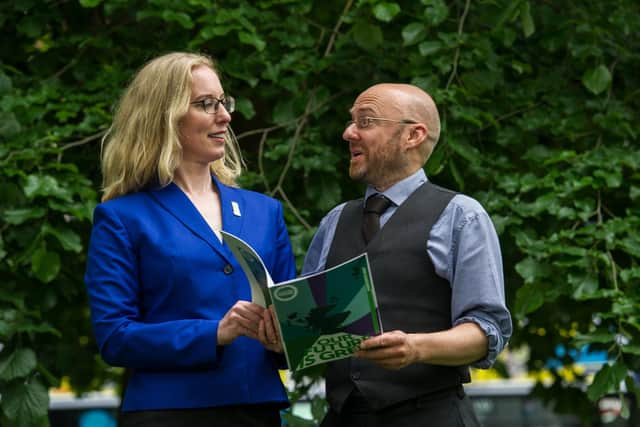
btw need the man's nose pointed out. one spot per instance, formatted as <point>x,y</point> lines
<point>350,132</point>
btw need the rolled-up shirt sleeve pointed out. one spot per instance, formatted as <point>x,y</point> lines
<point>464,248</point>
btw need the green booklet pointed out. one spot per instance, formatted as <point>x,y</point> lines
<point>321,317</point>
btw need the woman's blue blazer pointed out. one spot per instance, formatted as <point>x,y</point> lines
<point>159,281</point>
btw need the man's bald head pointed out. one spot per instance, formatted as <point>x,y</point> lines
<point>415,104</point>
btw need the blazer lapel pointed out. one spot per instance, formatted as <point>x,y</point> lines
<point>174,201</point>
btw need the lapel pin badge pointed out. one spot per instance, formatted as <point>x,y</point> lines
<point>235,208</point>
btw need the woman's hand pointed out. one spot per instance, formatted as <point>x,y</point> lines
<point>268,331</point>
<point>243,318</point>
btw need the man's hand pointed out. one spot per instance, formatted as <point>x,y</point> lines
<point>391,350</point>
<point>242,319</point>
<point>268,331</point>
<point>461,345</point>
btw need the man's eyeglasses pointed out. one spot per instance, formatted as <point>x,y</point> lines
<point>211,105</point>
<point>365,122</point>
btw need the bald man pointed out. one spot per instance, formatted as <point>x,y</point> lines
<point>436,265</point>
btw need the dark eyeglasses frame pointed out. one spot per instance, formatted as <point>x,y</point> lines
<point>228,102</point>
<point>369,121</point>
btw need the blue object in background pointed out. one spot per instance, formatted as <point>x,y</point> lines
<point>582,357</point>
<point>96,418</point>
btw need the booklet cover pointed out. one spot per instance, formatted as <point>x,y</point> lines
<point>321,317</point>
<point>253,267</point>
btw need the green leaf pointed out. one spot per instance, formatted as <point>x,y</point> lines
<point>386,11</point>
<point>593,338</point>
<point>367,36</point>
<point>465,150</point>
<point>457,176</point>
<point>90,3</point>
<point>607,380</point>
<point>597,79</point>
<point>31,26</point>
<point>327,193</point>
<point>245,107</point>
<point>413,33</point>
<point>584,287</point>
<point>11,297</point>
<point>45,265</point>
<point>9,125</point>
<point>480,81</point>
<point>24,403</point>
<point>613,178</point>
<point>427,48</point>
<point>18,216</point>
<point>18,364</point>
<point>631,245</point>
<point>629,274</point>
<point>528,299</point>
<point>180,17</point>
<point>508,13</point>
<point>435,12</point>
<point>436,162</point>
<point>529,269</point>
<point>5,84</point>
<point>631,349</point>
<point>47,186</point>
<point>283,111</point>
<point>69,240</point>
<point>528,26</point>
<point>252,39</point>
<point>37,328</point>
<point>6,329</point>
<point>298,421</point>
<point>632,387</point>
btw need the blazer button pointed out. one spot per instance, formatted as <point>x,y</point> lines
<point>228,269</point>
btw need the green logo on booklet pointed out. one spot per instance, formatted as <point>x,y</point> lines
<point>285,293</point>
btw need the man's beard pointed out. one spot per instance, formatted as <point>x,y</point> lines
<point>383,166</point>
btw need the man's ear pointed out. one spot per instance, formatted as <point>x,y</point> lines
<point>417,135</point>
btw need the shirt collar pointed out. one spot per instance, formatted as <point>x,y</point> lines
<point>401,190</point>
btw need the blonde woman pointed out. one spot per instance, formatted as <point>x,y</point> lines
<point>168,300</point>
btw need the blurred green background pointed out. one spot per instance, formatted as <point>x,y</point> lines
<point>539,104</point>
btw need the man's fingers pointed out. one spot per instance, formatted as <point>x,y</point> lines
<point>387,339</point>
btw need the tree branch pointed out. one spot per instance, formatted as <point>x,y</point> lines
<point>293,209</point>
<point>294,141</point>
<point>69,64</point>
<point>456,56</point>
<point>82,141</point>
<point>263,139</point>
<point>336,28</point>
<point>511,114</point>
<point>301,122</point>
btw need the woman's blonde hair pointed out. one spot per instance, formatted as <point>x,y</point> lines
<point>142,146</point>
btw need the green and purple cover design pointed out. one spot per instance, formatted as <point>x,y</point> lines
<point>324,316</point>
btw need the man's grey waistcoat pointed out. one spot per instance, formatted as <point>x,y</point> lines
<point>411,297</point>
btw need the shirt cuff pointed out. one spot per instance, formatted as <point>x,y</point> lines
<point>494,339</point>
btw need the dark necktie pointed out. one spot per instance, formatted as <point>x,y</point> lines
<point>374,207</point>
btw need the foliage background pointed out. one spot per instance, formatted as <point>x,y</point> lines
<point>539,103</point>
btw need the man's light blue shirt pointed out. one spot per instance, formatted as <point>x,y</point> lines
<point>464,249</point>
